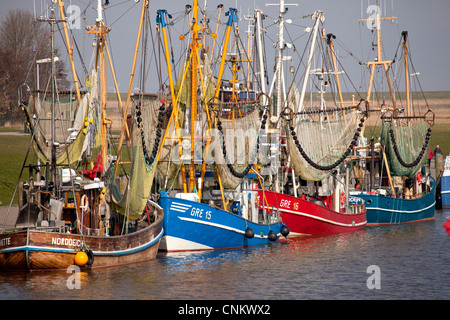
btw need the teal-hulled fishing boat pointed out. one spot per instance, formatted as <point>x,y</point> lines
<point>389,210</point>
<point>400,188</point>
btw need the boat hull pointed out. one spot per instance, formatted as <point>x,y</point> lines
<point>191,225</point>
<point>304,217</point>
<point>42,250</point>
<point>383,210</point>
<point>445,189</point>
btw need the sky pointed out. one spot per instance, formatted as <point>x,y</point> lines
<point>426,21</point>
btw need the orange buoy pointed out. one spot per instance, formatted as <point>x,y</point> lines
<point>81,258</point>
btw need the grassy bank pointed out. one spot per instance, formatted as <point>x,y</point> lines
<point>13,149</point>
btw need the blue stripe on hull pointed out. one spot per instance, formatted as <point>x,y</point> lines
<point>199,226</point>
<point>388,210</point>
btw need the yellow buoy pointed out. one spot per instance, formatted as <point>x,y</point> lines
<point>81,258</point>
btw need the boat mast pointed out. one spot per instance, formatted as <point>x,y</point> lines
<point>161,14</point>
<point>214,35</point>
<point>249,53</point>
<point>386,64</point>
<point>280,93</point>
<point>69,50</point>
<point>100,30</point>
<point>53,77</point>
<point>379,61</point>
<point>281,47</point>
<point>335,66</point>
<point>130,86</point>
<point>231,13</point>
<point>52,20</point>
<point>318,15</point>
<point>195,46</point>
<point>405,49</point>
<point>258,17</point>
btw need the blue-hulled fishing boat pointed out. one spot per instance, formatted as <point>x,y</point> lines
<point>445,184</point>
<point>192,225</point>
<point>209,204</point>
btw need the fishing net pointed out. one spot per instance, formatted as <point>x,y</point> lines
<point>238,125</point>
<point>146,136</point>
<point>320,139</point>
<point>405,146</point>
<point>76,126</point>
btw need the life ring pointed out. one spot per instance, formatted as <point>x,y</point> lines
<point>342,198</point>
<point>419,177</point>
<point>84,205</point>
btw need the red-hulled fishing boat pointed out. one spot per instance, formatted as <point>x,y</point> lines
<point>316,145</point>
<point>309,216</point>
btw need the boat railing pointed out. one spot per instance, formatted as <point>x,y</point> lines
<point>271,216</point>
<point>356,205</point>
<point>93,231</point>
<point>58,228</point>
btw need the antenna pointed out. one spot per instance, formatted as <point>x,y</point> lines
<point>99,11</point>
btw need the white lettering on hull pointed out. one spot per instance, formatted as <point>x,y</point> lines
<point>66,242</point>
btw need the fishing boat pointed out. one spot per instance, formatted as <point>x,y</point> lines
<point>206,201</point>
<point>445,184</point>
<point>68,216</point>
<point>394,181</point>
<point>311,190</point>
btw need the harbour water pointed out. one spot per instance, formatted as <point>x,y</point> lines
<point>410,261</point>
